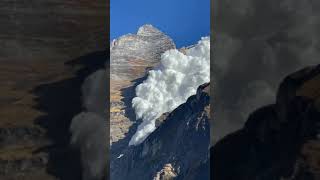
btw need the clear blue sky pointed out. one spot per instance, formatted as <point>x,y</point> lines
<point>185,21</point>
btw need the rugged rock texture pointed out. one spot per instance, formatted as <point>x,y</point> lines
<point>177,149</point>
<point>39,91</point>
<point>167,173</point>
<point>279,141</point>
<point>131,55</point>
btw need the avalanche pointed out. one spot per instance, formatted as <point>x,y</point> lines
<point>169,85</point>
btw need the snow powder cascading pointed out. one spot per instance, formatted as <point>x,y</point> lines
<point>171,84</point>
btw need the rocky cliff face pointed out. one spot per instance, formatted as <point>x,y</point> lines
<point>278,141</point>
<point>177,149</point>
<point>130,57</point>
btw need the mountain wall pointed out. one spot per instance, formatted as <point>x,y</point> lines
<point>177,149</point>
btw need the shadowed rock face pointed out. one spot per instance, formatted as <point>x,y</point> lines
<point>131,56</point>
<point>278,141</point>
<point>177,149</point>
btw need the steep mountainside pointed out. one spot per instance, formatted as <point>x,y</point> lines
<point>177,149</point>
<point>131,55</point>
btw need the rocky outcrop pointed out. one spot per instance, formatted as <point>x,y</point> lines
<point>177,149</point>
<point>167,173</point>
<point>278,141</point>
<point>143,48</point>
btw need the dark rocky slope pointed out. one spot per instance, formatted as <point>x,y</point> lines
<point>278,141</point>
<point>177,149</point>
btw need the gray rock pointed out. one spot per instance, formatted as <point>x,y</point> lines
<point>130,50</point>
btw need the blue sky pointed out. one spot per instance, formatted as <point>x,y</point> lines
<point>185,21</point>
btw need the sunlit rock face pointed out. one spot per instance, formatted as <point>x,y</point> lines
<point>148,45</point>
<point>131,56</point>
<point>134,52</point>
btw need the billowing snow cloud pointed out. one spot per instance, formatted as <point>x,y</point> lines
<point>170,85</point>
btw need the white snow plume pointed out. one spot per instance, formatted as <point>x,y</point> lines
<point>170,85</point>
<point>89,134</point>
<point>94,92</point>
<point>89,128</point>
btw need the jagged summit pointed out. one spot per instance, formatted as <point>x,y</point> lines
<point>149,30</point>
<point>142,49</point>
<point>146,35</point>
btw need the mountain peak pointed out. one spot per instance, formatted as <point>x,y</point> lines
<point>148,30</point>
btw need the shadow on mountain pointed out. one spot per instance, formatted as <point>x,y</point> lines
<point>128,94</point>
<point>61,101</point>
